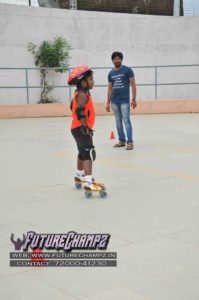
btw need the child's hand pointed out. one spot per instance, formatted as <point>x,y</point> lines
<point>85,130</point>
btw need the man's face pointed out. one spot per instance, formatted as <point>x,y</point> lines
<point>117,62</point>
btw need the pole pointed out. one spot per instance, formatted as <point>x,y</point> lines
<point>27,90</point>
<point>156,79</point>
<point>176,8</point>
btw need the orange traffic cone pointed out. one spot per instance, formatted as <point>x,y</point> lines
<point>112,136</point>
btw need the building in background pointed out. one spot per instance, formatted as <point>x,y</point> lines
<point>191,7</point>
<point>21,2</point>
<point>149,7</point>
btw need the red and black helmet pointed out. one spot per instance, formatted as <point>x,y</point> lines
<point>78,74</point>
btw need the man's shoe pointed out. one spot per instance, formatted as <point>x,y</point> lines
<point>129,147</point>
<point>119,144</point>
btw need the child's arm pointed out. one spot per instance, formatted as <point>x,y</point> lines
<point>82,99</point>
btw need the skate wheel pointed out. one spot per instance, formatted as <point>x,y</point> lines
<point>88,195</point>
<point>103,194</point>
<point>78,186</point>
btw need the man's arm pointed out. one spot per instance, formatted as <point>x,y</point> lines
<point>108,109</point>
<point>133,85</point>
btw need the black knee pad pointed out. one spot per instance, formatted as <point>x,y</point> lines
<point>92,154</point>
<point>87,154</point>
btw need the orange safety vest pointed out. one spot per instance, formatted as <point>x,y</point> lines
<point>89,112</point>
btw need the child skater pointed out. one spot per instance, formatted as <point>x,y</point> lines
<point>83,119</point>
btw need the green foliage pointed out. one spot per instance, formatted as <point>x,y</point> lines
<point>50,54</point>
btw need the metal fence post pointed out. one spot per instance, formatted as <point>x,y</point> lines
<point>156,79</point>
<point>70,92</point>
<point>27,89</point>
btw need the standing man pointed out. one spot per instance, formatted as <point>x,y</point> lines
<point>120,78</point>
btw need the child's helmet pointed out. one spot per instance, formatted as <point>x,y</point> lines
<point>78,74</point>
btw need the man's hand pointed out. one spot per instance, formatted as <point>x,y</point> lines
<point>109,95</point>
<point>133,103</point>
<point>108,108</point>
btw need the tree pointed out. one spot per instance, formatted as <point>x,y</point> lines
<point>50,54</point>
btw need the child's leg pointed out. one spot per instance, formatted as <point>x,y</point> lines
<point>86,154</point>
<point>80,164</point>
<point>88,170</point>
<point>80,167</point>
<point>84,167</point>
<point>87,166</point>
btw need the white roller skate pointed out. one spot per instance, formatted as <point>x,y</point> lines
<point>90,188</point>
<point>80,181</point>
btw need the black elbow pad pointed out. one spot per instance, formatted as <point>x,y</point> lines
<point>80,113</point>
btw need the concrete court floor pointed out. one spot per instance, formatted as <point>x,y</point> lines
<point>152,211</point>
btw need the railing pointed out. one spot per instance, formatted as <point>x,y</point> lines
<point>27,87</point>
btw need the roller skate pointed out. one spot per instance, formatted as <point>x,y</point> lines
<point>90,188</point>
<point>80,181</point>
